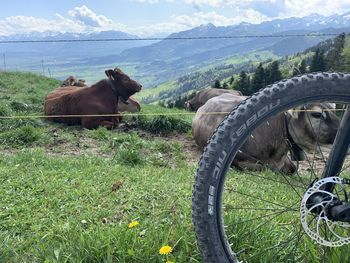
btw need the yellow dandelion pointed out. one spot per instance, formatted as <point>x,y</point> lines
<point>169,261</point>
<point>165,250</point>
<point>133,224</point>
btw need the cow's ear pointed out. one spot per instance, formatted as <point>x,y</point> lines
<point>115,74</point>
<point>295,112</point>
<point>109,73</point>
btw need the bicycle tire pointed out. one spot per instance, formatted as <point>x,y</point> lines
<point>225,142</point>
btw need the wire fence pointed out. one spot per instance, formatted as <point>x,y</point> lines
<point>167,38</point>
<point>142,114</point>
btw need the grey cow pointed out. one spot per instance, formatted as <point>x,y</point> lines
<point>204,95</point>
<point>268,144</point>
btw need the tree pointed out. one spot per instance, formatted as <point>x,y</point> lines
<point>217,84</point>
<point>273,73</point>
<point>232,79</point>
<point>318,62</point>
<point>225,85</point>
<point>334,57</point>
<point>243,84</point>
<point>259,79</point>
<point>301,69</point>
<point>346,59</point>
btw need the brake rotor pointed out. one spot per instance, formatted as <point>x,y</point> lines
<point>318,225</point>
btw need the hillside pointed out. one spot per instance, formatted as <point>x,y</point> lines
<point>204,76</point>
<point>70,193</point>
<point>231,67</point>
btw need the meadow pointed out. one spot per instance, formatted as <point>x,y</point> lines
<point>69,194</point>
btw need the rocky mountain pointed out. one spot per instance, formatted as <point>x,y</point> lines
<point>173,50</point>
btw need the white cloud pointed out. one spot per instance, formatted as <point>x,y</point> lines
<point>184,22</point>
<point>154,1</point>
<point>216,3</point>
<point>81,19</point>
<point>89,18</point>
<point>300,8</point>
<point>25,24</point>
<point>199,18</point>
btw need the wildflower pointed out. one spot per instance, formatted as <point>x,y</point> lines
<point>169,261</point>
<point>133,224</point>
<point>165,250</point>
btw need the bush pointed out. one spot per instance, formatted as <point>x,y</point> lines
<point>25,135</point>
<point>19,106</point>
<point>101,133</point>
<point>4,110</point>
<point>129,156</point>
<point>128,148</point>
<point>162,124</point>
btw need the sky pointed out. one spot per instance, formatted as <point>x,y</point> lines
<point>150,17</point>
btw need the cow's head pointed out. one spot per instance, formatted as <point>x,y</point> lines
<point>70,81</point>
<point>80,83</point>
<point>123,85</point>
<point>314,126</point>
<point>132,105</point>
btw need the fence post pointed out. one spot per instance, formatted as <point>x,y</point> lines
<point>4,56</point>
<point>42,64</point>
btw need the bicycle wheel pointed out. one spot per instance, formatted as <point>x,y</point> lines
<point>252,203</point>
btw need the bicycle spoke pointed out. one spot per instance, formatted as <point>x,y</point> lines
<point>267,215</point>
<point>260,199</point>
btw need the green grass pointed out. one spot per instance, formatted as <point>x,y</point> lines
<point>253,57</point>
<point>262,219</point>
<point>65,210</point>
<point>26,88</point>
<point>68,194</point>
<point>146,93</point>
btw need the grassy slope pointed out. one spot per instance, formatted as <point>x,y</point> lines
<point>253,57</point>
<point>68,194</point>
<point>155,91</point>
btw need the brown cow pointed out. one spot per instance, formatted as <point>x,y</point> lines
<point>101,98</point>
<point>131,105</point>
<point>72,81</point>
<point>204,95</point>
<point>267,145</point>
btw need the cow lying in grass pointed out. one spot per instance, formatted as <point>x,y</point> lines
<point>203,96</point>
<point>271,142</point>
<point>72,81</point>
<point>102,98</point>
<point>131,105</point>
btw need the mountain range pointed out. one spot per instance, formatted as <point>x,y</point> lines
<point>154,62</point>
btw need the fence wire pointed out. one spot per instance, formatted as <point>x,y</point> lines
<point>139,114</point>
<point>169,38</point>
